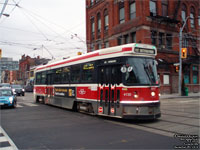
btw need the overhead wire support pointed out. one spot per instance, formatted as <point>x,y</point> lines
<point>4,7</point>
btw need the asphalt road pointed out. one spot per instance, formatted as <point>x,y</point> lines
<point>38,126</point>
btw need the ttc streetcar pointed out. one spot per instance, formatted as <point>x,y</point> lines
<point>118,82</point>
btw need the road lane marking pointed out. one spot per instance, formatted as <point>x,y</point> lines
<point>13,146</point>
<point>3,139</point>
<point>30,104</point>
<point>6,148</point>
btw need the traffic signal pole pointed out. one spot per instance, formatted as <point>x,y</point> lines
<point>180,59</point>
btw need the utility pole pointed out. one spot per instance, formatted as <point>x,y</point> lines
<point>180,59</point>
<point>4,6</point>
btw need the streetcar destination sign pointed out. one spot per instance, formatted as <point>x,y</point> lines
<point>144,51</point>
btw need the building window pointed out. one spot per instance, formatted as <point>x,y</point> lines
<point>119,40</point>
<point>132,10</point>
<point>192,17</point>
<point>106,19</point>
<point>152,7</point>
<point>153,37</point>
<point>92,47</point>
<point>133,37</point>
<point>161,37</point>
<point>199,17</point>
<point>92,28</point>
<point>169,41</point>
<point>165,8</point>
<point>166,79</point>
<point>126,38</point>
<point>195,74</point>
<point>121,12</point>
<point>92,2</point>
<point>99,25</point>
<point>186,75</point>
<point>183,13</point>
<point>185,41</point>
<point>99,46</point>
<point>106,44</point>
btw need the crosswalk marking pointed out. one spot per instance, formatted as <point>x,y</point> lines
<point>6,139</point>
<point>19,105</point>
<point>3,139</point>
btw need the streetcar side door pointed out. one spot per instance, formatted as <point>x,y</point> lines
<point>108,89</point>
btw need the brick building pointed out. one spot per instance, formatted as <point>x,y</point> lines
<point>25,65</point>
<point>158,22</point>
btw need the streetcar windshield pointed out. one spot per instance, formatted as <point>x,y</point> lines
<point>140,71</point>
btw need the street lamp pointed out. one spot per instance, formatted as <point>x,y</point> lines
<point>180,60</point>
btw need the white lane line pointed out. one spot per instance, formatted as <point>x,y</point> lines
<point>13,146</point>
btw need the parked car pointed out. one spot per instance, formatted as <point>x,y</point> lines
<point>18,89</point>
<point>7,97</point>
<point>5,85</point>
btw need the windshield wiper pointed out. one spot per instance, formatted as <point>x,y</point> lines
<point>148,73</point>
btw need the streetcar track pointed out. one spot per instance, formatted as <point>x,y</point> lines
<point>179,111</point>
<point>179,123</point>
<point>181,116</point>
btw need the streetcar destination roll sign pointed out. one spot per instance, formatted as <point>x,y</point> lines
<point>144,50</point>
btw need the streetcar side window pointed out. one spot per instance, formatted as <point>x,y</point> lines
<point>38,78</point>
<point>57,76</point>
<point>88,72</point>
<point>66,75</point>
<point>43,78</point>
<point>75,73</point>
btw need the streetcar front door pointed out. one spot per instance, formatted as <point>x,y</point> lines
<point>109,78</point>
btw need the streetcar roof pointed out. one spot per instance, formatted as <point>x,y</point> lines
<point>103,53</point>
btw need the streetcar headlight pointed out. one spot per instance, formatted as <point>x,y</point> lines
<point>135,95</point>
<point>159,94</point>
<point>13,90</point>
<point>153,93</point>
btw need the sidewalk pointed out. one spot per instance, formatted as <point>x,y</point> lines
<point>176,95</point>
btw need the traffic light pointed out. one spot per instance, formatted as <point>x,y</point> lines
<point>177,68</point>
<point>184,53</point>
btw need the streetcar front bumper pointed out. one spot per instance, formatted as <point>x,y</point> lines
<point>142,111</point>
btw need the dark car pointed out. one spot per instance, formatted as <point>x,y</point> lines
<point>7,97</point>
<point>18,89</point>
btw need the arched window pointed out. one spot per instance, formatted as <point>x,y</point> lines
<point>121,12</point>
<point>183,13</point>
<point>106,20</point>
<point>132,9</point>
<point>192,15</point>
<point>152,6</point>
<point>92,27</point>
<point>99,22</point>
<point>165,8</point>
<point>99,25</point>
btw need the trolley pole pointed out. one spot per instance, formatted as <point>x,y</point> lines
<point>180,60</point>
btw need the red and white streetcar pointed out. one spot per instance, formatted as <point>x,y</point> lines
<point>119,82</point>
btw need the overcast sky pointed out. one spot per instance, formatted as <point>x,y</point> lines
<point>38,26</point>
